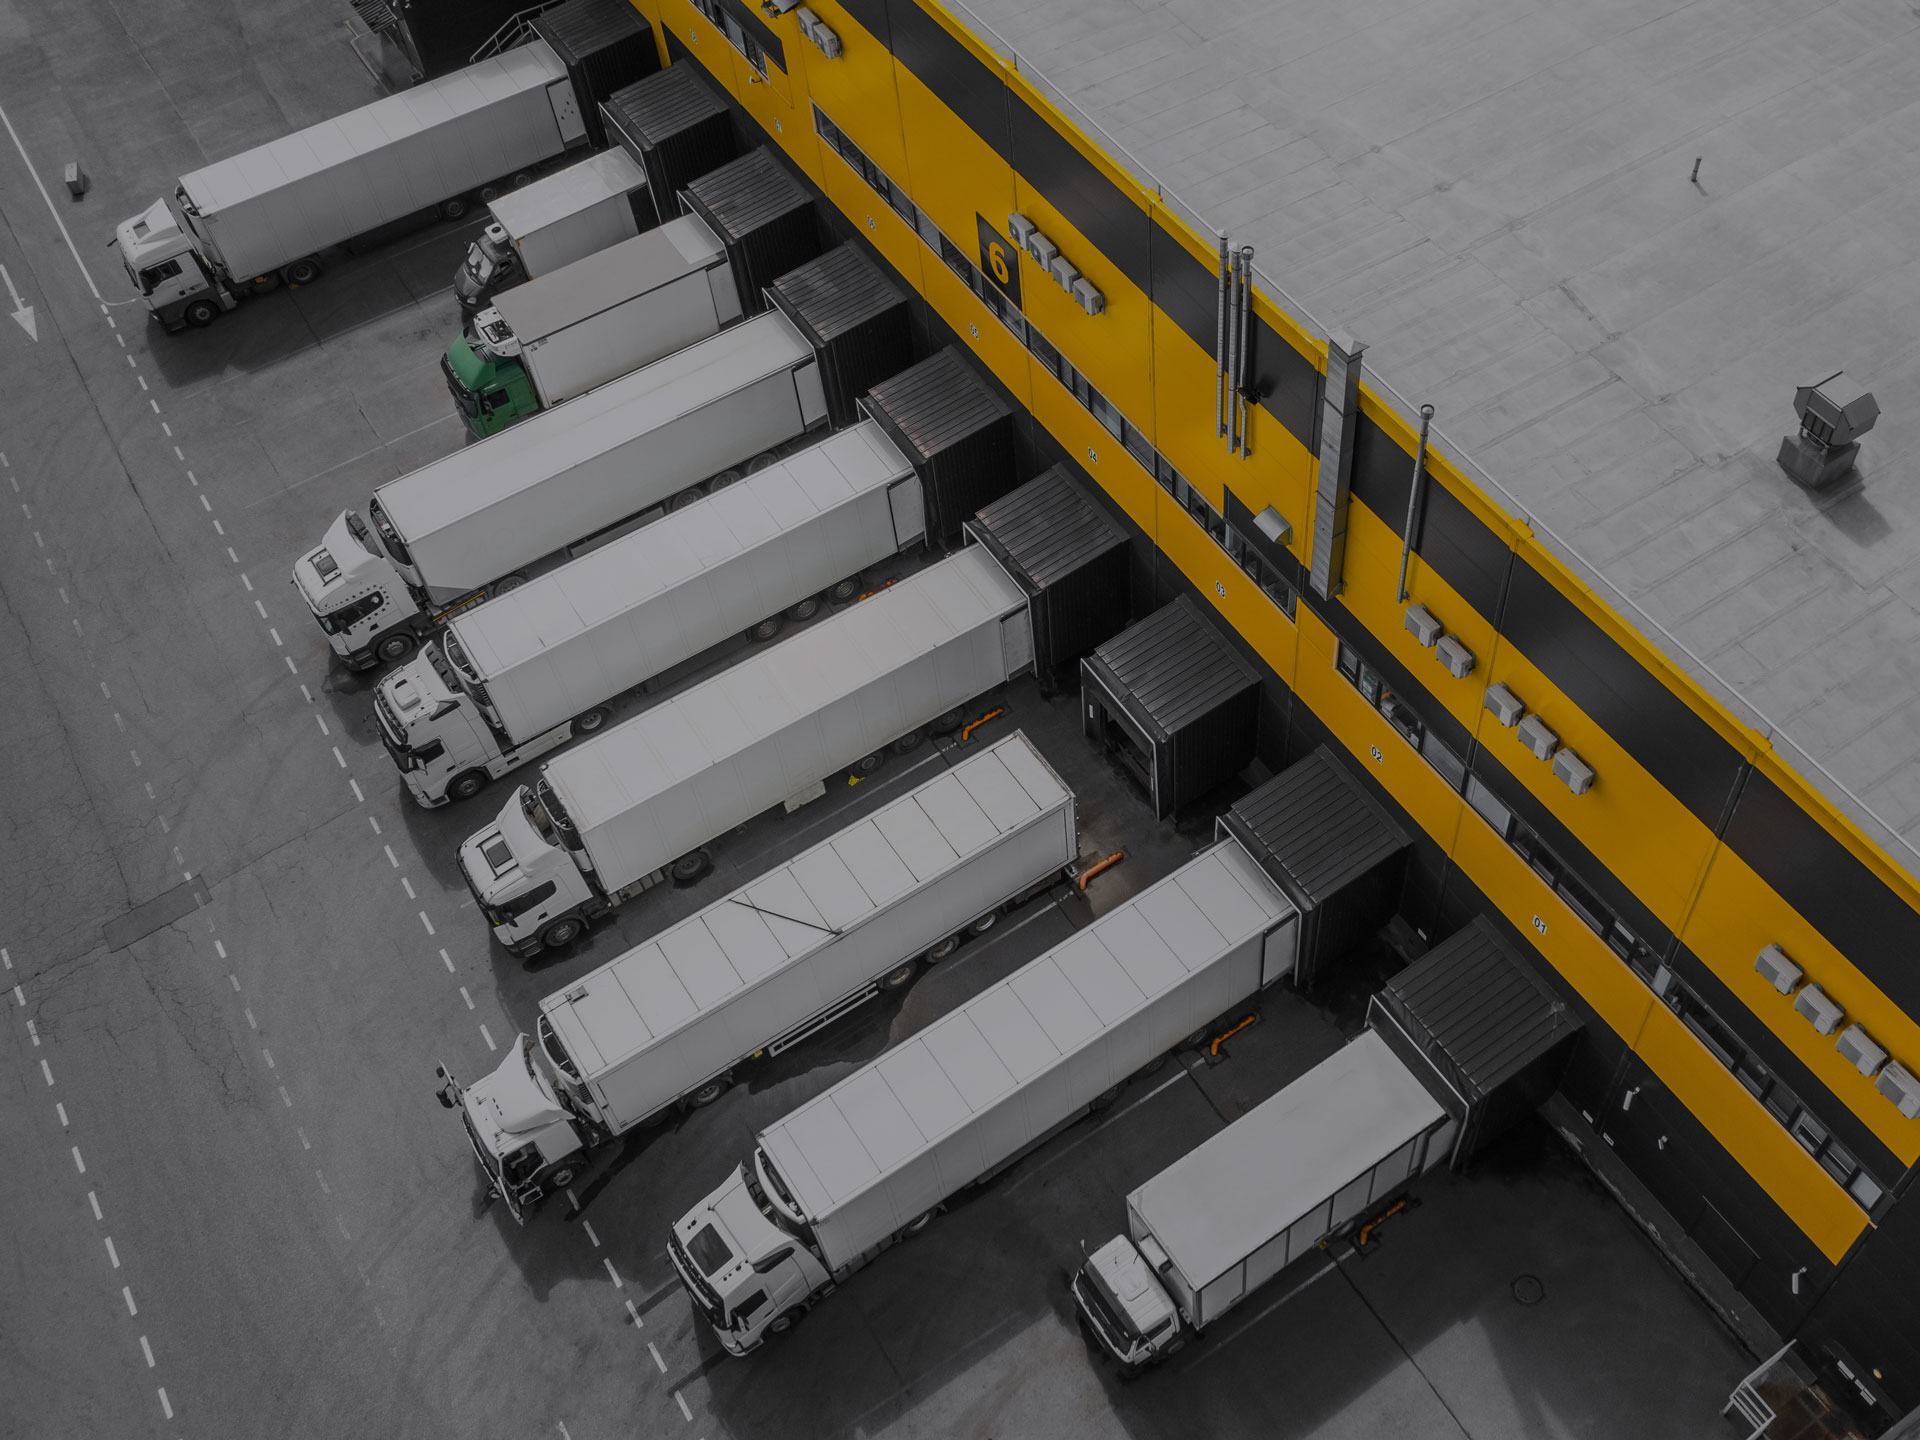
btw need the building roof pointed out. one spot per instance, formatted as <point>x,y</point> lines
<point>935,403</point>
<point>1173,666</point>
<point>1497,199</point>
<point>1049,527</point>
<point>1314,828</point>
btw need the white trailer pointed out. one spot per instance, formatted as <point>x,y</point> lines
<point>561,334</point>
<point>246,223</point>
<point>608,818</point>
<point>872,1160</point>
<point>561,218</point>
<point>667,1025</point>
<point>518,676</point>
<point>488,518</point>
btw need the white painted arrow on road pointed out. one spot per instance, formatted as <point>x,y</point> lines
<point>21,312</point>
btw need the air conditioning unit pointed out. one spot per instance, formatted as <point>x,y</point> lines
<point>817,31</point>
<point>1088,298</point>
<point>1573,772</point>
<point>1421,625</point>
<point>1535,735</point>
<point>1898,1084</point>
<point>1456,657</point>
<point>1505,705</point>
<point>1818,1009</point>
<point>1043,250</point>
<point>1065,272</point>
<point>1781,972</point>
<point>1861,1052</point>
<point>1021,230</point>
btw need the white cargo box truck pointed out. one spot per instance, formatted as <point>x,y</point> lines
<point>667,1025</point>
<point>245,224</point>
<point>872,1160</point>
<point>1458,1046</point>
<point>486,519</point>
<point>518,676</point>
<point>561,334</point>
<point>567,216</point>
<point>610,817</point>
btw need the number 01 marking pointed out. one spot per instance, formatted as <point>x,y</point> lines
<point>1539,924</point>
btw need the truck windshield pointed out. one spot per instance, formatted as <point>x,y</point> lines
<point>1109,1311</point>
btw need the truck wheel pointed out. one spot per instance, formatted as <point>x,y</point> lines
<point>805,610</point>
<point>302,272</point>
<point>692,866</point>
<point>895,978</point>
<point>765,630</point>
<point>522,177</point>
<point>762,461</point>
<point>592,720</point>
<point>453,209</point>
<point>506,583</point>
<point>941,949</point>
<point>781,1324</point>
<point>489,194</point>
<point>395,647</point>
<point>985,923</point>
<point>200,313</point>
<point>919,1222</point>
<point>724,479</point>
<point>908,743</point>
<point>948,722</point>
<point>841,593</point>
<point>687,497</point>
<point>709,1092</point>
<point>561,1178</point>
<point>1105,1098</point>
<point>264,284</point>
<point>467,784</point>
<point>868,764</point>
<point>562,933</point>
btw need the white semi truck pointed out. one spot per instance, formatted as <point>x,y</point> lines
<point>567,216</point>
<point>563,333</point>
<point>518,676</point>
<point>614,816</point>
<point>246,224</point>
<point>1457,1047</point>
<point>666,1026</point>
<point>488,518</point>
<point>872,1160</point>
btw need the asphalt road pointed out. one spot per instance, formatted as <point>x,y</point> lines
<point>234,1207</point>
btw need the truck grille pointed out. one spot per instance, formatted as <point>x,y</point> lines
<point>704,1295</point>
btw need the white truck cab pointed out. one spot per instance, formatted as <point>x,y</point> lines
<point>522,1129</point>
<point>166,268</point>
<point>360,599</point>
<point>743,1254</point>
<point>523,874</point>
<point>1125,1305</point>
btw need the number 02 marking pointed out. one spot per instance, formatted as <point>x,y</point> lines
<point>1377,756</point>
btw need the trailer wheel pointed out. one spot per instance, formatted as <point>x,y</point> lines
<point>562,933</point>
<point>522,177</point>
<point>805,610</point>
<point>691,866</point>
<point>765,630</point>
<point>709,1092</point>
<point>985,923</point>
<point>687,497</point>
<point>869,764</point>
<point>919,1223</point>
<point>908,743</point>
<point>506,583</point>
<point>1105,1098</point>
<point>762,461</point>
<point>264,284</point>
<point>489,194</point>
<point>200,313</point>
<point>941,949</point>
<point>302,272</point>
<point>395,647</point>
<point>948,721</point>
<point>592,720</point>
<point>841,593</point>
<point>899,976</point>
<point>561,1178</point>
<point>467,784</point>
<point>724,479</point>
<point>455,208</point>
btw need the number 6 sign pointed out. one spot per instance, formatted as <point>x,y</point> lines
<point>999,261</point>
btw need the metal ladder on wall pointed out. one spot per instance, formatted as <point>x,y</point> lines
<point>516,30</point>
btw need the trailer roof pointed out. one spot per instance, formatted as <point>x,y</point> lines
<point>583,183</point>
<point>1238,1189</point>
<point>658,988</point>
<point>618,577</point>
<point>472,480</point>
<point>372,127</point>
<point>550,303</point>
<point>897,1107</point>
<point>776,687</point>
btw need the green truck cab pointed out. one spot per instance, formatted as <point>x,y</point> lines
<point>490,385</point>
